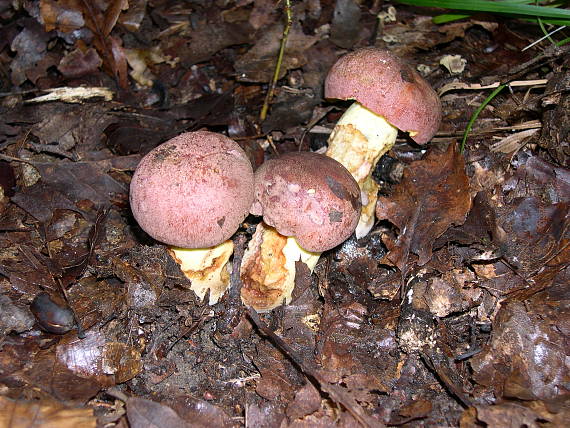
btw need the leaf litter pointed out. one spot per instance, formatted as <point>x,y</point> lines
<point>453,311</point>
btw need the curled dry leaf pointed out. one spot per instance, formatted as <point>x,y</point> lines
<point>100,359</point>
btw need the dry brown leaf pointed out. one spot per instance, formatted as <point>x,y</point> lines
<point>433,195</point>
<point>258,64</point>
<point>143,413</point>
<point>100,359</point>
<point>23,414</point>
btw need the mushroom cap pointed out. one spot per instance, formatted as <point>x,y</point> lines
<point>387,86</point>
<point>309,196</point>
<point>193,191</point>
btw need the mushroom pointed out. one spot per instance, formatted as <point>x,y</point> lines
<point>192,192</point>
<point>389,95</point>
<point>310,203</point>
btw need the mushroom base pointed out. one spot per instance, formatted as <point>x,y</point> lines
<point>268,268</point>
<point>358,141</point>
<point>206,268</point>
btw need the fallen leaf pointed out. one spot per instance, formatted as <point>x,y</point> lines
<point>44,414</point>
<point>258,64</point>
<point>526,355</point>
<point>345,26</point>
<point>433,195</point>
<point>143,413</point>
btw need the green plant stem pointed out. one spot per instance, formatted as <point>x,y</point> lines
<point>475,115</point>
<point>285,36</point>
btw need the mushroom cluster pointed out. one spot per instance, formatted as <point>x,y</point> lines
<point>193,191</point>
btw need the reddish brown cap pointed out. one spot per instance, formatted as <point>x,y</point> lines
<point>193,191</point>
<point>386,85</point>
<point>309,196</point>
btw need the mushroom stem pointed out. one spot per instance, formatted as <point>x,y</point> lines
<point>268,268</point>
<point>358,141</point>
<point>206,268</point>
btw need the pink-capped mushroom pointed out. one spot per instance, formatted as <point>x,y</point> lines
<point>389,95</point>
<point>192,192</point>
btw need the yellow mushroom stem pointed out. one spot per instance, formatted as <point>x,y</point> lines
<point>358,141</point>
<point>206,268</point>
<point>268,268</point>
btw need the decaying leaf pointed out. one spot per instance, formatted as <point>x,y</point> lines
<point>258,64</point>
<point>433,195</point>
<point>47,414</point>
<point>143,413</point>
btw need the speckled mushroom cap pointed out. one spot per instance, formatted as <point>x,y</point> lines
<point>193,191</point>
<point>386,85</point>
<point>309,196</point>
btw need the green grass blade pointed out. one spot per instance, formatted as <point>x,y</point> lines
<point>475,115</point>
<point>449,17</point>
<point>493,7</point>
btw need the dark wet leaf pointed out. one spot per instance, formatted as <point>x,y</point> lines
<point>14,318</point>
<point>72,127</point>
<point>99,358</point>
<point>30,45</point>
<point>78,63</point>
<point>534,232</point>
<point>556,121</point>
<point>345,27</point>
<point>203,42</point>
<point>258,64</point>
<point>307,400</point>
<point>525,357</point>
<point>41,200</point>
<point>95,301</point>
<point>264,415</point>
<point>278,378</point>
<point>433,195</point>
<point>200,413</point>
<point>289,112</point>
<point>81,181</point>
<point>49,373</point>
<point>143,413</point>
<point>7,179</point>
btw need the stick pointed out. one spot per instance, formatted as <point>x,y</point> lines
<point>269,96</point>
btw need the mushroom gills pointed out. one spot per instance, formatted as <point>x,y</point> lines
<point>358,141</point>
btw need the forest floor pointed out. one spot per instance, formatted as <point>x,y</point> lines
<point>453,311</point>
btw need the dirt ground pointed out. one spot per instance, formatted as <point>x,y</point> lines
<point>453,311</point>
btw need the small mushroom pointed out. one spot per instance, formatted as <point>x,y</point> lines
<point>389,95</point>
<point>310,203</point>
<point>192,192</point>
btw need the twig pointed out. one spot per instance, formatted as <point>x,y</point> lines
<point>285,36</point>
<point>337,394</point>
<point>477,86</point>
<point>546,36</point>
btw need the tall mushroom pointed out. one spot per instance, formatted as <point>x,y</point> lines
<point>310,203</point>
<point>389,95</point>
<point>192,192</point>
